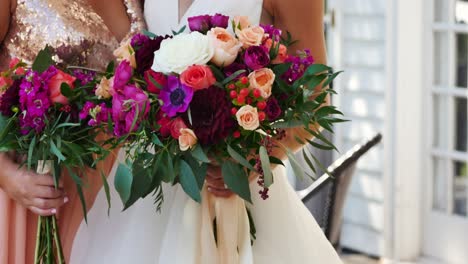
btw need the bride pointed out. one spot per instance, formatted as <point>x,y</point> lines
<point>286,231</point>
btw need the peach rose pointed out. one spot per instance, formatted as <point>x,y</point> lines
<point>262,80</point>
<point>241,22</point>
<point>187,139</point>
<point>251,36</point>
<point>282,52</point>
<point>126,52</point>
<point>226,47</point>
<point>55,84</point>
<point>103,90</point>
<point>247,117</point>
<point>198,77</point>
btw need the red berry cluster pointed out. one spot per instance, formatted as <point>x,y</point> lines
<point>241,95</point>
<point>268,143</point>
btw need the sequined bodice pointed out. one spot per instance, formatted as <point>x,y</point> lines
<point>76,33</point>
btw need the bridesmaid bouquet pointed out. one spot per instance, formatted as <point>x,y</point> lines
<point>214,95</point>
<point>40,121</point>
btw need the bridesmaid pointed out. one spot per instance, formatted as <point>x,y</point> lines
<point>81,32</point>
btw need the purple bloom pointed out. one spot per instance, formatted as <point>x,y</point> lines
<point>256,57</point>
<point>273,110</point>
<point>10,98</point>
<point>34,100</point>
<point>122,76</point>
<point>144,50</point>
<point>231,69</point>
<point>200,23</point>
<point>84,77</point>
<point>132,103</point>
<point>219,20</point>
<point>299,65</point>
<point>176,97</point>
<point>99,115</point>
<point>86,108</point>
<point>272,32</point>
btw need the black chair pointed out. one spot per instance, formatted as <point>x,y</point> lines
<point>332,190</point>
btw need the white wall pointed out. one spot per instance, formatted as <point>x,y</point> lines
<point>358,47</point>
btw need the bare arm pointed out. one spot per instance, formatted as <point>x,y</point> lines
<point>304,20</point>
<point>114,15</point>
<point>5,13</point>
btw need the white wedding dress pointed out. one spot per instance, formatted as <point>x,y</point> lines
<point>286,231</point>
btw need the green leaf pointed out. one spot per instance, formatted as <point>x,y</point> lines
<point>232,77</point>
<point>331,78</point>
<point>287,124</point>
<point>156,140</point>
<point>66,90</point>
<point>107,190</point>
<point>281,68</point>
<point>56,151</point>
<point>199,154</point>
<point>236,179</point>
<point>141,182</point>
<point>275,160</point>
<point>308,161</point>
<point>43,60</point>
<point>217,73</point>
<point>317,68</point>
<point>149,34</point>
<point>123,182</point>
<point>266,167</point>
<point>199,170</point>
<point>83,202</point>
<point>31,151</point>
<point>297,168</point>
<point>188,181</point>
<point>110,67</point>
<point>167,167</point>
<point>238,157</point>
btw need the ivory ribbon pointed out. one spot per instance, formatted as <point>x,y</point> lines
<point>233,244</point>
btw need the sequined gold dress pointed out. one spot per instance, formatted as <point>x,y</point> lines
<point>78,36</point>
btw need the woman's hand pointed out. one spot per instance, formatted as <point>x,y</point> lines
<point>34,191</point>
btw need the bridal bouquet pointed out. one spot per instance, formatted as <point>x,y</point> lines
<point>215,95</point>
<point>40,110</point>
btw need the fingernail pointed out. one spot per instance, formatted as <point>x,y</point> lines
<point>54,211</point>
<point>65,200</point>
<point>209,189</point>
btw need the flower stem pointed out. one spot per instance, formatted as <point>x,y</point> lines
<point>49,255</point>
<point>38,240</point>
<point>58,243</point>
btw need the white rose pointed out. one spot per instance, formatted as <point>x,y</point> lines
<point>182,51</point>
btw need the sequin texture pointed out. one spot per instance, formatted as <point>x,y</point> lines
<point>76,33</point>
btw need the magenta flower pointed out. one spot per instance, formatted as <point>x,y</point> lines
<point>299,65</point>
<point>145,47</point>
<point>219,20</point>
<point>176,97</point>
<point>200,23</point>
<point>130,104</point>
<point>122,76</point>
<point>272,32</point>
<point>256,57</point>
<point>86,108</point>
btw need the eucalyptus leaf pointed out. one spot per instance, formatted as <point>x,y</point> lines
<point>266,167</point>
<point>188,181</point>
<point>238,157</point>
<point>236,179</point>
<point>105,184</point>
<point>43,60</point>
<point>199,154</point>
<point>317,68</point>
<point>297,168</point>
<point>123,182</point>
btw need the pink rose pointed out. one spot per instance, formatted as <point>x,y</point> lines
<point>187,139</point>
<point>55,84</point>
<point>262,80</point>
<point>282,52</point>
<point>198,77</point>
<point>226,47</point>
<point>126,52</point>
<point>240,23</point>
<point>176,126</point>
<point>251,36</point>
<point>247,117</point>
<point>5,82</point>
